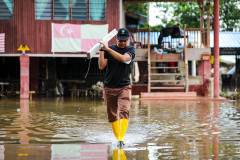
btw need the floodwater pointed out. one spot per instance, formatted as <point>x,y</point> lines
<point>65,128</point>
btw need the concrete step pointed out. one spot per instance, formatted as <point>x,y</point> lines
<point>170,60</point>
<point>163,67</point>
<point>154,81</point>
<point>165,74</point>
<point>167,87</point>
<point>167,94</point>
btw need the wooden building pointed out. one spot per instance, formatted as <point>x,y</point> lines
<point>28,22</point>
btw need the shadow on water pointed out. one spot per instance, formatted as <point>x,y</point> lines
<point>62,128</point>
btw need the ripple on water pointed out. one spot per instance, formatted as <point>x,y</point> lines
<point>157,130</point>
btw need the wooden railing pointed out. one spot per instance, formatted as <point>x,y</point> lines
<point>197,38</point>
<point>139,38</point>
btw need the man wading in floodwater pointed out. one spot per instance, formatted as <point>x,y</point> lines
<point>117,86</point>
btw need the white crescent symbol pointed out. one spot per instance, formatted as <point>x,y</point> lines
<point>61,30</point>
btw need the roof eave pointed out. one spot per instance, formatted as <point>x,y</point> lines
<point>145,1</point>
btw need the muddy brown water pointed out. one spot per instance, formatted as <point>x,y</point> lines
<point>65,128</point>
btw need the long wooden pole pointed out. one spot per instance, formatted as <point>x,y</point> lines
<point>185,60</point>
<point>149,62</point>
<point>208,23</point>
<point>201,16</point>
<point>201,21</point>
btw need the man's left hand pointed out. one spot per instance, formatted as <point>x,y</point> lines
<point>104,46</point>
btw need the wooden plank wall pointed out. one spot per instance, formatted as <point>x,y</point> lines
<point>24,29</point>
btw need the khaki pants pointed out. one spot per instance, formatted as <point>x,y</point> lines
<point>118,101</point>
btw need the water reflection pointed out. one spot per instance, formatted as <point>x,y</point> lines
<point>23,121</point>
<point>55,151</point>
<point>77,128</point>
<point>119,154</point>
<point>75,151</point>
<point>216,131</point>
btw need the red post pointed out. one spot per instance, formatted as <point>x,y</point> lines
<point>216,48</point>
<point>24,76</point>
<point>204,70</point>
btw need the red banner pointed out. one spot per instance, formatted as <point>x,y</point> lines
<point>2,42</point>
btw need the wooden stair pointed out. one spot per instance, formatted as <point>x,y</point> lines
<point>164,80</point>
<point>157,80</point>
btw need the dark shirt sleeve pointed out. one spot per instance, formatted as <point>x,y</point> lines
<point>106,54</point>
<point>131,52</point>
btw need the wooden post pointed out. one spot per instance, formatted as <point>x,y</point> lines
<point>185,60</point>
<point>121,13</point>
<point>149,62</point>
<point>208,23</point>
<point>201,22</point>
<point>236,72</point>
<point>201,16</point>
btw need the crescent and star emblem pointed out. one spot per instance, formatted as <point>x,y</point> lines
<point>69,31</point>
<point>61,30</point>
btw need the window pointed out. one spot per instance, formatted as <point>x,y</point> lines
<point>6,9</point>
<point>70,10</point>
<point>79,10</point>
<point>97,10</point>
<point>61,10</point>
<point>43,9</point>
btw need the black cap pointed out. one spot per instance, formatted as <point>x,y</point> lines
<point>123,34</point>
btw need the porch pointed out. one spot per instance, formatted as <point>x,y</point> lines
<point>168,70</point>
<point>196,48</point>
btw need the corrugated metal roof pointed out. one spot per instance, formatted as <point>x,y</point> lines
<point>226,39</point>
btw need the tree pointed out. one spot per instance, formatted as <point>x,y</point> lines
<point>166,11</point>
<point>140,8</point>
<point>229,14</point>
<point>137,8</point>
<point>189,13</point>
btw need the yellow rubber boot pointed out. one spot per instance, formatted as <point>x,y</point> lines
<point>123,129</point>
<point>115,128</point>
<point>119,154</point>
